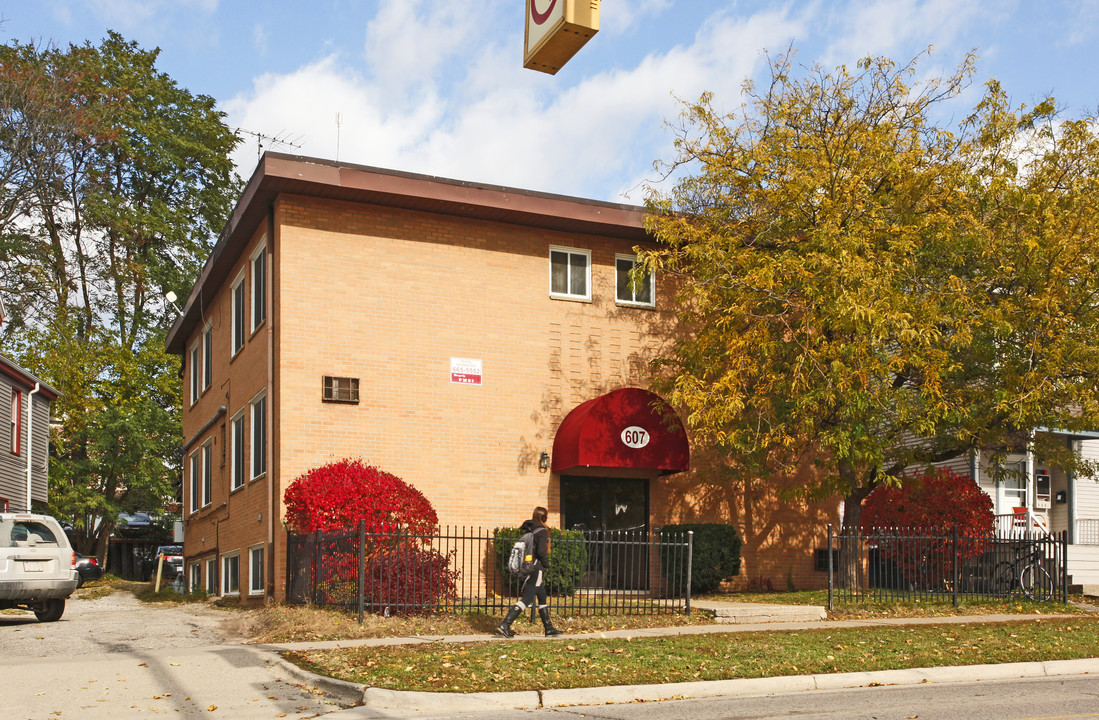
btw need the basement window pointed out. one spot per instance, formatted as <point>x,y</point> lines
<point>341,389</point>
<point>820,559</point>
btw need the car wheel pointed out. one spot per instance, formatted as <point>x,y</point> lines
<point>51,611</point>
<point>79,580</point>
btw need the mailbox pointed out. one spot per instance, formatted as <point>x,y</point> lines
<point>1041,490</point>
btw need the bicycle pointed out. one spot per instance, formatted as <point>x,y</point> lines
<point>1026,572</point>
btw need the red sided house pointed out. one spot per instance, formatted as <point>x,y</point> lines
<point>25,414</point>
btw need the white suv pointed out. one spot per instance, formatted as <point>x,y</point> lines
<point>37,565</point>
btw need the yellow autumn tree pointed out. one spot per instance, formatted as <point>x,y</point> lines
<point>867,286</point>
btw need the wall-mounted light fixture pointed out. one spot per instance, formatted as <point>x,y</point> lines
<point>544,461</point>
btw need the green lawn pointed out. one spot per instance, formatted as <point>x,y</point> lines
<point>508,666</point>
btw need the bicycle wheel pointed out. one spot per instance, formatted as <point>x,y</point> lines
<point>1036,583</point>
<point>1003,579</point>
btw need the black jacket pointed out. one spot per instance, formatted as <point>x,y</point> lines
<point>541,540</point>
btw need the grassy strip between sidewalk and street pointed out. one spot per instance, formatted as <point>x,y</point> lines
<point>509,666</point>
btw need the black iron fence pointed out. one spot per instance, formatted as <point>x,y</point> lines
<point>463,569</point>
<point>911,564</point>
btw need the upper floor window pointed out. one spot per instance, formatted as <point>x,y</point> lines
<point>628,292</point>
<point>238,314</point>
<point>259,435</point>
<point>570,273</point>
<point>237,455</point>
<point>196,372</point>
<point>16,420</point>
<point>196,479</point>
<point>207,474</point>
<point>207,357</point>
<point>259,287</point>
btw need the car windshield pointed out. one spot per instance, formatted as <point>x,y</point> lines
<point>169,550</point>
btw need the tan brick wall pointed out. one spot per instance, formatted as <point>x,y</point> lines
<point>233,520</point>
<point>388,296</point>
<point>403,293</point>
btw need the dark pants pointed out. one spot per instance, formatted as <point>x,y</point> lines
<point>534,587</point>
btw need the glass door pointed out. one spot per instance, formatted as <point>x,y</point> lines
<point>613,514</point>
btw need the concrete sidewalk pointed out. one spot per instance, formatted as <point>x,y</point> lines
<point>370,701</point>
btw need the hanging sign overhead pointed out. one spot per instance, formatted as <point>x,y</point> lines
<point>465,371</point>
<point>556,30</point>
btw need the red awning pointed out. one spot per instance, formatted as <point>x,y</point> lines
<point>627,428</point>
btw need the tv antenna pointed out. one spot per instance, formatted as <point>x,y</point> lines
<point>339,123</point>
<point>283,139</point>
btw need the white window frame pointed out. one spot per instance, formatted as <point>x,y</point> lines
<point>196,372</point>
<point>236,451</point>
<point>207,357</point>
<point>225,575</point>
<point>586,297</point>
<point>207,472</point>
<point>196,481</point>
<point>237,311</point>
<point>212,576</point>
<point>259,289</point>
<point>16,436</point>
<point>195,577</point>
<point>252,565</point>
<point>632,259</point>
<point>258,454</point>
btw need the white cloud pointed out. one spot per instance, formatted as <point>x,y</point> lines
<point>496,122</point>
<point>882,27</point>
<point>621,16</point>
<point>409,40</point>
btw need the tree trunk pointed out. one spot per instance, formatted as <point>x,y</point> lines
<point>850,555</point>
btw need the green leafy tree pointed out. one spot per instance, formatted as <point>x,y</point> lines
<point>863,289</point>
<point>114,183</point>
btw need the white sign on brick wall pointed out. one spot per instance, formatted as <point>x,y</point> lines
<point>465,371</point>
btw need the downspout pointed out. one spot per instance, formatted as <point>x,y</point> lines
<point>30,441</point>
<point>269,559</point>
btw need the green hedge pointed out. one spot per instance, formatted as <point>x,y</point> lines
<point>716,556</point>
<point>568,558</point>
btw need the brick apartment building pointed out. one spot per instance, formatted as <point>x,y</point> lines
<point>482,343</point>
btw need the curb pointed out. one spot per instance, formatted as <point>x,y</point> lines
<point>347,693</point>
<point>801,683</point>
<point>436,702</point>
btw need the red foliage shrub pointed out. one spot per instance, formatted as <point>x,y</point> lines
<point>913,525</point>
<point>402,576</point>
<point>342,493</point>
<point>938,499</point>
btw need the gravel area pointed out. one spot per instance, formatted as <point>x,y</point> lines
<point>115,623</point>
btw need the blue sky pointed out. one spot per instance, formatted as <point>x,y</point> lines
<point>438,87</point>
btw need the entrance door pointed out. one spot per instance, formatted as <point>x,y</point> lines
<point>613,513</point>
